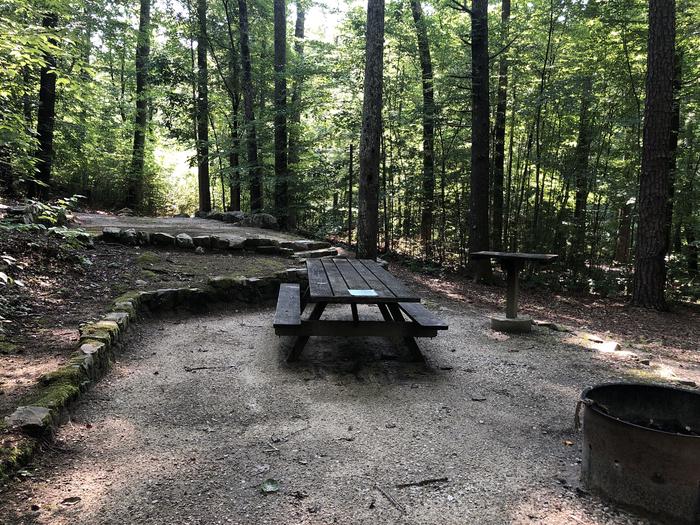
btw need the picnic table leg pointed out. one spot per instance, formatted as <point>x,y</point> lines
<point>512,269</point>
<point>301,341</point>
<point>304,300</point>
<point>409,341</point>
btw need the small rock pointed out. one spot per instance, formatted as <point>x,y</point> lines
<point>391,424</point>
<point>646,362</point>
<point>184,241</point>
<point>199,250</point>
<point>478,397</point>
<point>140,282</point>
<point>162,239</point>
<point>686,382</point>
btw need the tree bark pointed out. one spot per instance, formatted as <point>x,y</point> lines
<point>582,152</point>
<point>281,175</point>
<point>499,132</point>
<point>234,153</point>
<point>479,180</point>
<point>652,232</point>
<point>367,223</point>
<point>254,168</point>
<point>46,117</point>
<point>428,186</point>
<point>295,116</point>
<point>134,193</point>
<point>203,109</point>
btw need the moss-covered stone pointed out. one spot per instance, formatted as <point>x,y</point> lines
<point>99,328</point>
<point>148,258</point>
<point>227,282</point>
<point>16,452</point>
<point>127,307</point>
<point>121,318</point>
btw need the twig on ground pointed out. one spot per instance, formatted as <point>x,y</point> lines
<point>391,499</point>
<point>422,482</point>
<point>195,368</point>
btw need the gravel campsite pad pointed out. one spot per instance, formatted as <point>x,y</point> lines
<point>201,421</point>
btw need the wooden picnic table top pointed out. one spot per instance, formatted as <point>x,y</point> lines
<point>541,258</point>
<point>364,281</point>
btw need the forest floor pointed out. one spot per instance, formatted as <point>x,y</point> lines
<point>158,442</point>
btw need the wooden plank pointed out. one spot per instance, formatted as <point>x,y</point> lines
<point>353,279</point>
<point>338,284</point>
<point>288,311</point>
<point>399,289</point>
<point>325,328</point>
<point>318,280</point>
<point>371,279</point>
<point>542,258</point>
<point>421,315</point>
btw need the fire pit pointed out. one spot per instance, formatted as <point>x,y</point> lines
<point>641,448</point>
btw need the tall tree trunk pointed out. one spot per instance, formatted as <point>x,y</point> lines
<point>203,109</point>
<point>295,115</point>
<point>46,117</point>
<point>367,223</point>
<point>281,175</point>
<point>254,168</point>
<point>583,150</point>
<point>652,233</point>
<point>673,144</point>
<point>499,132</point>
<point>234,152</point>
<point>7,178</point>
<point>134,193</point>
<point>479,181</point>
<point>428,188</point>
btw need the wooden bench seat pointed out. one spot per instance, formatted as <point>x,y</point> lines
<point>288,312</point>
<point>420,315</point>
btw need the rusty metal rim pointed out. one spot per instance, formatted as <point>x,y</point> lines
<point>593,405</point>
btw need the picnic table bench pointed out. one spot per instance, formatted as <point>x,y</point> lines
<point>512,263</point>
<point>353,282</point>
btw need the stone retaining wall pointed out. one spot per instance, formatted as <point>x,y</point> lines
<point>41,411</point>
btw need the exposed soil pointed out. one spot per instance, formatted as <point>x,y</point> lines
<point>62,290</point>
<point>200,411</point>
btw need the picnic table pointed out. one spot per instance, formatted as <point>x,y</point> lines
<point>512,263</point>
<point>353,282</point>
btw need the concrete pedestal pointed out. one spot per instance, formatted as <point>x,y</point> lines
<point>516,325</point>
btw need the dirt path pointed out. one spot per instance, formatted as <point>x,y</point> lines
<point>161,441</point>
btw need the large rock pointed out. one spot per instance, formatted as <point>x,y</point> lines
<point>304,245</point>
<point>256,242</point>
<point>315,254</point>
<point>215,215</point>
<point>129,237</point>
<point>184,241</point>
<point>233,216</point>
<point>203,241</point>
<point>261,220</point>
<point>162,239</point>
<point>111,234</point>
<point>31,419</point>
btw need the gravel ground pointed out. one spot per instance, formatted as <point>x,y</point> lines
<point>160,441</point>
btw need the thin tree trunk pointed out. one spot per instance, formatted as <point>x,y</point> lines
<point>499,133</point>
<point>46,117</point>
<point>367,223</point>
<point>581,177</point>
<point>281,175</point>
<point>652,233</point>
<point>428,188</point>
<point>350,181</point>
<point>234,89</point>
<point>203,109</point>
<point>295,117</point>
<point>134,193</point>
<point>255,170</point>
<point>479,181</point>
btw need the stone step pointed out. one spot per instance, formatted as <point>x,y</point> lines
<point>315,254</point>
<point>304,245</point>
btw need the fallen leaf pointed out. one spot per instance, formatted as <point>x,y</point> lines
<point>568,443</point>
<point>72,500</point>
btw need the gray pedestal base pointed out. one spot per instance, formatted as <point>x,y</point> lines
<point>519,325</point>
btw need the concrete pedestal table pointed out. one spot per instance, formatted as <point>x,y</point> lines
<point>512,263</point>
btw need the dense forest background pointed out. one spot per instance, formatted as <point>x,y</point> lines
<point>174,106</point>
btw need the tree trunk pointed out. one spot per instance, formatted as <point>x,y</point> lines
<point>428,188</point>
<point>234,155</point>
<point>134,193</point>
<point>673,144</point>
<point>203,109</point>
<point>295,116</point>
<point>652,232</point>
<point>368,198</point>
<point>46,117</point>
<point>281,183</point>
<point>499,133</point>
<point>479,181</point>
<point>583,150</point>
<point>254,168</point>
